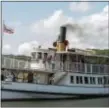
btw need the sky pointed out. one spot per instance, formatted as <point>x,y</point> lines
<point>38,23</point>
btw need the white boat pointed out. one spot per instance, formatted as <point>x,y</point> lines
<point>57,73</point>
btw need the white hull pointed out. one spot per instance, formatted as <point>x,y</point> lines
<point>14,90</point>
<point>10,95</point>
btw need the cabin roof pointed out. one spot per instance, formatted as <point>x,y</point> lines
<point>28,70</point>
<point>84,54</point>
<point>43,50</point>
<point>79,52</point>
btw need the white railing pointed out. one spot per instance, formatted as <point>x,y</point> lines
<point>14,63</point>
<point>71,67</point>
<point>83,67</point>
<point>66,66</point>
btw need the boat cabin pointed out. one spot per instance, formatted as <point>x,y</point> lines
<point>79,62</point>
<point>40,58</point>
<point>83,69</point>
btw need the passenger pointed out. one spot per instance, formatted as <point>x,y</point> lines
<point>9,77</point>
<point>35,78</point>
<point>14,78</point>
<point>82,60</point>
<point>30,77</point>
<point>49,57</point>
<point>53,61</point>
<point>44,60</point>
<point>51,80</point>
<point>2,77</point>
<point>38,79</point>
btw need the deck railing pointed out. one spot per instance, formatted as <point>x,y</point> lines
<point>66,66</point>
<point>83,67</point>
<point>14,63</point>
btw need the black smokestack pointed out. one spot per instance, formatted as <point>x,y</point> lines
<point>62,36</point>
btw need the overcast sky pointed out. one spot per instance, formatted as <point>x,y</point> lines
<point>38,23</point>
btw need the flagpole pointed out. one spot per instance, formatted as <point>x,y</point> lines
<point>2,34</point>
<point>7,30</point>
<point>1,40</point>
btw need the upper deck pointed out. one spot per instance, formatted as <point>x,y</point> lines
<point>67,61</point>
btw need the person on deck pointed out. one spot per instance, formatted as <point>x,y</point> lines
<point>49,58</point>
<point>30,77</point>
<point>2,77</point>
<point>9,77</point>
<point>53,61</point>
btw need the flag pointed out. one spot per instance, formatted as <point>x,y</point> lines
<point>7,29</point>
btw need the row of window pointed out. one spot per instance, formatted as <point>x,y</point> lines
<point>89,80</point>
<point>38,55</point>
<point>12,63</point>
<point>98,68</point>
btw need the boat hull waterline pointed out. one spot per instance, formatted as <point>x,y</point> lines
<point>10,95</point>
<point>14,90</point>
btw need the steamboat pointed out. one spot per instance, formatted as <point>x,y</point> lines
<point>57,72</point>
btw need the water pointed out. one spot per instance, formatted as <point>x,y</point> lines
<point>98,102</point>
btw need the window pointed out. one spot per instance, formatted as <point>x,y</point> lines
<point>79,80</point>
<point>88,68</point>
<point>100,80</point>
<point>33,55</point>
<point>105,80</point>
<point>101,68</point>
<point>72,79</point>
<point>79,67</point>
<point>73,58</point>
<point>86,80</point>
<point>95,69</point>
<point>45,56</point>
<point>92,80</point>
<point>39,55</point>
<point>107,69</point>
<point>108,80</point>
<point>82,67</point>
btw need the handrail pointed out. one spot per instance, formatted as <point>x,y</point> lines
<point>66,66</point>
<point>83,67</point>
<point>14,63</point>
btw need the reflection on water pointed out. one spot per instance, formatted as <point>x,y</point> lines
<point>98,102</point>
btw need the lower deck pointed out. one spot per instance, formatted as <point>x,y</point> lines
<point>85,80</point>
<point>57,78</point>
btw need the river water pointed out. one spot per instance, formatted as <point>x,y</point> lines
<point>94,102</point>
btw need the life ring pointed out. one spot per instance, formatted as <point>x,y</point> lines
<point>66,42</point>
<point>54,44</point>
